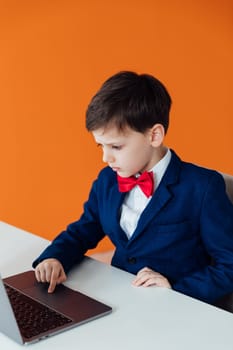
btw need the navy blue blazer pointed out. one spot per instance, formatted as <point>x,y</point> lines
<point>185,232</point>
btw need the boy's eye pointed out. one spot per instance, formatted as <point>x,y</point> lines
<point>116,147</point>
<point>112,146</point>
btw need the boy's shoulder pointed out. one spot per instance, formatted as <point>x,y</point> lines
<point>191,171</point>
<point>198,169</point>
<point>107,175</point>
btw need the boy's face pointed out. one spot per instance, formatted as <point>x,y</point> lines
<point>127,152</point>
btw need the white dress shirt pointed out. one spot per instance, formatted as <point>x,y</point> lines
<point>135,201</point>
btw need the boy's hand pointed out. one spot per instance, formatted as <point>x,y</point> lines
<point>51,271</point>
<point>147,277</point>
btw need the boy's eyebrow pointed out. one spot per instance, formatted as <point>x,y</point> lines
<point>108,143</point>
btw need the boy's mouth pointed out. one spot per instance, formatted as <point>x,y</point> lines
<point>115,169</point>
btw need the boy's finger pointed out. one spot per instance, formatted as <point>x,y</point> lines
<point>52,286</point>
<point>139,280</point>
<point>37,274</point>
<point>53,281</point>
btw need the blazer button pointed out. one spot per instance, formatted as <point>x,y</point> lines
<point>132,260</point>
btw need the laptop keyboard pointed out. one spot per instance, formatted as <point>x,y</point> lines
<point>33,318</point>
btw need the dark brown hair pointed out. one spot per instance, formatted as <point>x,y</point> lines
<point>129,99</point>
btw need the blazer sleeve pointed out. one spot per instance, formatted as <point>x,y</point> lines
<point>216,229</point>
<point>70,245</point>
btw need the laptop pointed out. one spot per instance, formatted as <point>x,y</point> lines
<point>29,313</point>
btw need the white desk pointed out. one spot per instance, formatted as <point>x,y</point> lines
<point>153,318</point>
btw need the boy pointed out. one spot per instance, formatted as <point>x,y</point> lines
<point>170,221</point>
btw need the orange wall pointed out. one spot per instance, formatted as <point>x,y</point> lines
<point>53,57</point>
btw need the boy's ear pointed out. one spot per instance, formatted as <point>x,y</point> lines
<point>157,134</point>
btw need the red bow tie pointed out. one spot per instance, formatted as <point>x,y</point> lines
<point>144,181</point>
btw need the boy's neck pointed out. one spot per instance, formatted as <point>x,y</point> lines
<point>159,154</point>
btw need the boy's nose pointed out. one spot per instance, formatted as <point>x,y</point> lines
<point>107,156</point>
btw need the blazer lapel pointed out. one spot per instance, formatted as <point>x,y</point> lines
<point>115,203</point>
<point>161,196</point>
